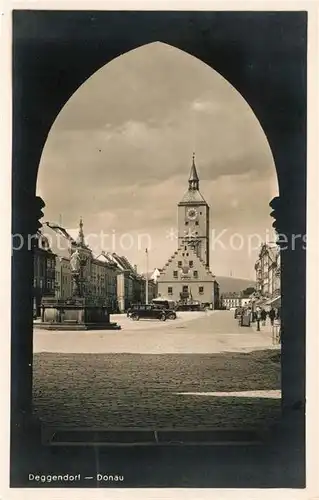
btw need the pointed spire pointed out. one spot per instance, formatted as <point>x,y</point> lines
<point>193,180</point>
<point>80,238</point>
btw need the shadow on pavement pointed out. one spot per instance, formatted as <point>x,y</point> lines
<point>142,390</point>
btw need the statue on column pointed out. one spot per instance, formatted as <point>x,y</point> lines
<point>75,263</point>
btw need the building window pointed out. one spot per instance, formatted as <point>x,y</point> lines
<point>191,263</point>
<point>179,263</point>
<point>201,289</point>
<point>200,213</point>
<point>175,274</point>
<point>185,248</point>
<point>195,274</point>
<point>196,223</point>
<point>185,289</point>
<point>170,290</point>
<point>186,223</point>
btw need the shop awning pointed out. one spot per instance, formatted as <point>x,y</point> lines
<point>275,302</point>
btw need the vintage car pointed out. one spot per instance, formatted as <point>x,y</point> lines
<point>148,311</point>
<point>170,313</point>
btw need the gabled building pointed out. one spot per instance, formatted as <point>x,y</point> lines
<point>267,270</point>
<point>230,300</point>
<point>44,263</point>
<point>268,275</point>
<point>154,275</point>
<point>186,277</point>
<point>108,279</point>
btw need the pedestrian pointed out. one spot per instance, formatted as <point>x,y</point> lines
<point>272,316</point>
<point>258,318</point>
<point>263,317</point>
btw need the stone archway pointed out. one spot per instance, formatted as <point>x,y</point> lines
<point>48,70</point>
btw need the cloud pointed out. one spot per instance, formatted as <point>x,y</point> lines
<point>205,106</point>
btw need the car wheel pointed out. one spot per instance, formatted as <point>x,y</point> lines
<point>172,316</point>
<point>135,317</point>
<point>163,317</point>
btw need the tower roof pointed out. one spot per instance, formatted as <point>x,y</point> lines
<point>193,194</point>
<point>193,175</point>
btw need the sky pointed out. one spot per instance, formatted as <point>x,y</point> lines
<point>120,151</point>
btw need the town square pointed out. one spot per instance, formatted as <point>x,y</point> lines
<point>201,370</point>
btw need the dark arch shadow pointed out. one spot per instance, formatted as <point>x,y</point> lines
<point>263,55</point>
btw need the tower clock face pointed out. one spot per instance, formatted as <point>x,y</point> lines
<point>191,213</point>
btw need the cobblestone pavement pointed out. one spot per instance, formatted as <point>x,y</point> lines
<point>171,388</point>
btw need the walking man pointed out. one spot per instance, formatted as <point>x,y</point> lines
<point>272,316</point>
<point>263,316</point>
<point>258,318</point>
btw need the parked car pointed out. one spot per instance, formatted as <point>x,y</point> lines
<point>170,313</point>
<point>188,307</point>
<point>166,303</point>
<point>148,311</point>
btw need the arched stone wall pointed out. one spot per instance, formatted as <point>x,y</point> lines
<point>55,52</point>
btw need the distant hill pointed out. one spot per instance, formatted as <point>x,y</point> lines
<point>228,285</point>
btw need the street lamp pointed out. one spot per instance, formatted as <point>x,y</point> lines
<point>146,284</point>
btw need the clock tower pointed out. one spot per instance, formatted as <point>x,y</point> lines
<point>193,218</point>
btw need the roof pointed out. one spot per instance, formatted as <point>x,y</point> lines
<point>106,259</point>
<point>193,175</point>
<point>192,253</point>
<point>122,262</point>
<point>193,196</point>
<point>231,295</point>
<point>148,275</point>
<point>58,243</point>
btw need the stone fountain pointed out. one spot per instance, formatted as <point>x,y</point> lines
<point>80,311</point>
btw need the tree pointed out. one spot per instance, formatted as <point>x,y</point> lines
<point>248,291</point>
